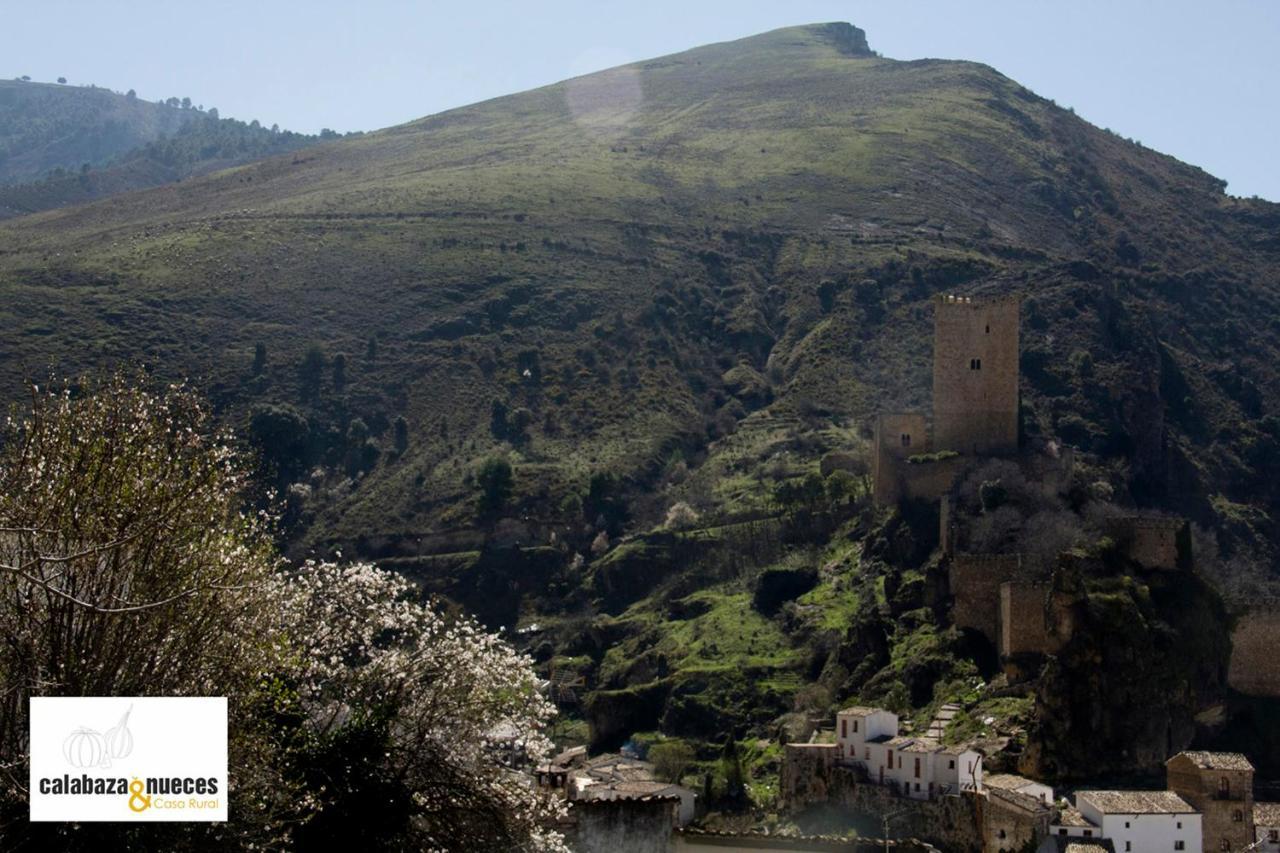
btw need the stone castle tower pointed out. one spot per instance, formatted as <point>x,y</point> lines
<point>975,374</point>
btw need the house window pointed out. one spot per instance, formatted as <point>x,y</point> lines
<point>917,787</point>
<point>951,765</point>
<point>1224,844</point>
<point>1237,816</point>
<point>975,364</point>
<point>1062,832</point>
<point>899,762</point>
<point>1273,834</point>
<point>1224,786</point>
<point>844,728</point>
<point>1179,845</point>
<point>917,772</point>
<point>1002,833</point>
<point>906,439</point>
<point>1126,824</point>
<point>855,725</point>
<point>1128,845</point>
<point>867,754</point>
<point>1088,833</point>
<point>988,328</point>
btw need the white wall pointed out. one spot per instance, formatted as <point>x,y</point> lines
<point>1145,833</point>
<point>1153,832</point>
<point>853,740</point>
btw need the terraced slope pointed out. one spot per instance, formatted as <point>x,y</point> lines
<point>632,262</point>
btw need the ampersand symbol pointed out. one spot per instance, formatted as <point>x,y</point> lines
<point>135,793</point>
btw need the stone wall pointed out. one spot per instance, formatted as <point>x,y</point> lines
<point>1154,543</point>
<point>623,826</point>
<point>1011,823</point>
<point>1199,787</point>
<point>929,480</point>
<point>897,436</point>
<point>807,771</point>
<point>1255,652</point>
<point>975,374</point>
<point>975,590</point>
<point>952,823</point>
<point>699,841</point>
<point>813,777</point>
<point>1034,619</point>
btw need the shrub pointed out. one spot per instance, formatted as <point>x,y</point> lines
<point>497,481</point>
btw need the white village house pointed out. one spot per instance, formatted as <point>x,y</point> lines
<point>1134,821</point>
<point>918,767</point>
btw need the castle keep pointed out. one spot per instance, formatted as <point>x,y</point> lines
<point>975,401</point>
<point>975,374</point>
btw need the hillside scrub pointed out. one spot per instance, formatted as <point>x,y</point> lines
<point>129,566</point>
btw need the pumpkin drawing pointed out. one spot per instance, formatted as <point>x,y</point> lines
<point>118,741</point>
<point>84,748</point>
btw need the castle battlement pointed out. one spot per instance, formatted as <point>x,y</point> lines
<point>977,301</point>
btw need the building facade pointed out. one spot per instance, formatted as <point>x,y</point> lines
<point>975,374</point>
<point>1134,821</point>
<point>1220,786</point>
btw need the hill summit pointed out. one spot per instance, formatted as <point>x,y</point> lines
<point>671,266</point>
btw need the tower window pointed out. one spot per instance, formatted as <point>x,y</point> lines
<point>988,329</point>
<point>975,364</point>
<point>906,439</point>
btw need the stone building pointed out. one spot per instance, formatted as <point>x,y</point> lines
<point>1220,786</point>
<point>1153,543</point>
<point>898,436</point>
<point>975,402</point>
<point>1266,825</point>
<point>975,374</point>
<point>1017,814</point>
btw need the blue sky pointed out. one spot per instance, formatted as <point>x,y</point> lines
<point>1198,80</point>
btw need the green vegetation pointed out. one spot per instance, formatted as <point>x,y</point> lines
<point>62,145</point>
<point>700,300</point>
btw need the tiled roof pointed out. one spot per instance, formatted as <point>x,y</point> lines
<point>1008,781</point>
<point>1070,816</point>
<point>860,710</point>
<point>1266,814</point>
<point>1026,802</point>
<point>1136,802</point>
<point>922,745</point>
<point>1082,845</point>
<point>1218,760</point>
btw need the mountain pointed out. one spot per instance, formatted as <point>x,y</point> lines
<point>684,281</point>
<point>62,145</point>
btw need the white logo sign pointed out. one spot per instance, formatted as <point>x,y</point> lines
<point>141,758</point>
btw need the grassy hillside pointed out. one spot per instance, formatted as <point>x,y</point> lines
<point>63,145</point>
<point>641,257</point>
<point>686,282</point>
